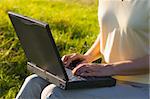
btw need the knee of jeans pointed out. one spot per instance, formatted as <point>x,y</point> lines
<point>48,91</point>
<point>32,78</point>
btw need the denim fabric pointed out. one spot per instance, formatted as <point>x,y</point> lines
<point>120,91</point>
<point>34,85</point>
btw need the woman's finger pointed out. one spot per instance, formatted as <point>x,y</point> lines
<point>76,68</point>
<point>81,69</point>
<point>65,58</point>
<point>72,58</point>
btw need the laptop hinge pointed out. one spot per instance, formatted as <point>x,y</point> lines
<point>46,75</point>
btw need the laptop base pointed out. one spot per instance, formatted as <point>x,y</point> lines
<point>79,84</point>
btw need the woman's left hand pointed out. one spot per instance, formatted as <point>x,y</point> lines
<point>90,69</point>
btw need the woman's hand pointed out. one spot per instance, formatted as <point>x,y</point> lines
<point>90,69</point>
<point>68,59</point>
<point>138,66</point>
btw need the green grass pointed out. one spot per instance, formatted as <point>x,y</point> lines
<point>73,23</point>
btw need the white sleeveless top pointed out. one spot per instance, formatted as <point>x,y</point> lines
<point>124,32</point>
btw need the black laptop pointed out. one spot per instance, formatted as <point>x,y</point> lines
<point>43,56</point>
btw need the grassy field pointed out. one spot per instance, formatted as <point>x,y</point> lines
<point>73,23</point>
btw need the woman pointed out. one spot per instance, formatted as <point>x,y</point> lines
<point>123,41</point>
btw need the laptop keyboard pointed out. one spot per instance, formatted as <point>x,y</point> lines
<point>78,78</point>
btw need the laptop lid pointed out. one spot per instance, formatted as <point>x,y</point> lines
<point>38,44</point>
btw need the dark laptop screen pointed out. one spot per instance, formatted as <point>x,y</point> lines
<point>38,44</point>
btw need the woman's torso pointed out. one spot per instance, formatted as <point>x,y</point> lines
<point>124,32</point>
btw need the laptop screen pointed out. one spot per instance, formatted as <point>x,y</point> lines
<point>38,44</point>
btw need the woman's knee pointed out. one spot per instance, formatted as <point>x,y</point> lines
<point>48,91</point>
<point>32,78</point>
<point>30,87</point>
<point>36,80</point>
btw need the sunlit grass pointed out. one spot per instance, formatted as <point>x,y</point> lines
<point>74,26</point>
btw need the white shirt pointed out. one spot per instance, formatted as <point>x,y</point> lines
<point>124,32</point>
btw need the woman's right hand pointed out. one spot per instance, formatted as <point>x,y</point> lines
<point>79,58</point>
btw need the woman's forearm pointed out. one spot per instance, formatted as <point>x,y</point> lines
<point>132,67</point>
<point>94,52</point>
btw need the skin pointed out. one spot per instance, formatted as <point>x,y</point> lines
<point>123,68</point>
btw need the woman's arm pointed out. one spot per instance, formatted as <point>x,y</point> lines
<point>91,55</point>
<point>122,68</point>
<point>132,67</point>
<point>94,52</point>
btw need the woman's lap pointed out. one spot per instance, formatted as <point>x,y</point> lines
<point>34,85</point>
<point>120,91</point>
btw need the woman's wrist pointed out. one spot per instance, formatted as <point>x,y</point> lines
<point>112,69</point>
<point>121,68</point>
<point>89,58</point>
<point>115,68</point>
